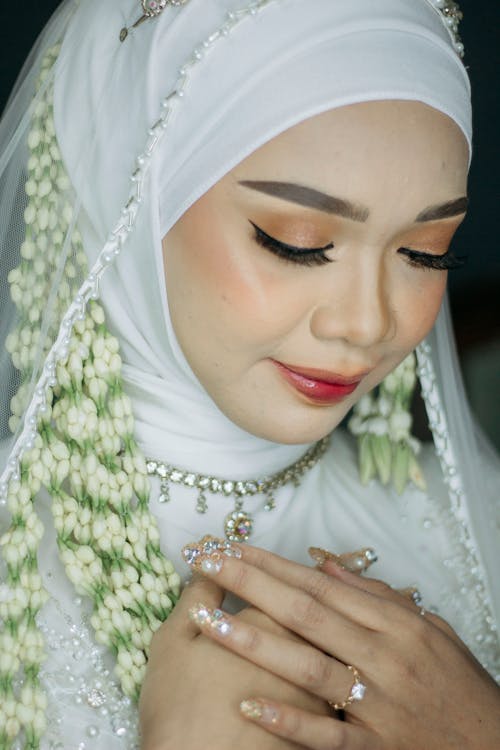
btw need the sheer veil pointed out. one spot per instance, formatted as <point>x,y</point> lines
<point>105,143</point>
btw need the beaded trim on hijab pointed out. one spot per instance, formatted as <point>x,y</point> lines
<point>238,524</point>
<point>449,10</point>
<point>151,8</point>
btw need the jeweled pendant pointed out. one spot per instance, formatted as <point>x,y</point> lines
<point>238,526</point>
<point>151,8</point>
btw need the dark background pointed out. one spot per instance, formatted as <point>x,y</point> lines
<point>474,289</point>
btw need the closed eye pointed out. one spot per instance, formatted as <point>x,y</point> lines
<point>306,256</point>
<point>446,262</point>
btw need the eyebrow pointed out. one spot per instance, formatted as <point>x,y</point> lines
<point>309,197</point>
<point>444,210</point>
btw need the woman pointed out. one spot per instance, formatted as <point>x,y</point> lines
<point>280,249</point>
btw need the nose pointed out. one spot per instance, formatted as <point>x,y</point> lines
<point>356,308</point>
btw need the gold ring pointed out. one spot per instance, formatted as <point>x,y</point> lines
<point>357,692</point>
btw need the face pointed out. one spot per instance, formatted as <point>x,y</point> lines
<point>312,269</point>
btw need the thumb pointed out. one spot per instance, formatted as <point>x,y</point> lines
<point>199,590</point>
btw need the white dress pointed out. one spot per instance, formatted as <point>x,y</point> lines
<point>417,539</point>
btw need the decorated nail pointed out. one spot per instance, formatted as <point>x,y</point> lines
<point>216,619</point>
<point>412,592</point>
<point>206,555</point>
<point>259,710</point>
<point>354,562</point>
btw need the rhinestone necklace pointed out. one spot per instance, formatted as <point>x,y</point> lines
<point>238,523</point>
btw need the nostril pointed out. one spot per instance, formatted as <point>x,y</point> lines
<point>364,320</point>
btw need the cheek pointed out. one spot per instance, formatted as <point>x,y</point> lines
<point>201,276</point>
<point>418,308</point>
<point>220,287</point>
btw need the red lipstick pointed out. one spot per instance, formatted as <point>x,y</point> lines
<point>321,386</point>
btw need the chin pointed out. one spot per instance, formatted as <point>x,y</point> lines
<point>295,427</point>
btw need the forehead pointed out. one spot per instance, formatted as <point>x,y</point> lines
<point>363,150</point>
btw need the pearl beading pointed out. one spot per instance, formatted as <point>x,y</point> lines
<point>484,627</point>
<point>451,15</point>
<point>123,228</point>
<point>94,690</point>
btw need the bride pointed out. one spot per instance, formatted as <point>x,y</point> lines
<point>226,223</point>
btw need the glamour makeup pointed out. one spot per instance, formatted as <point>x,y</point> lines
<point>319,386</point>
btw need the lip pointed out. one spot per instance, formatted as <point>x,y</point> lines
<point>320,386</point>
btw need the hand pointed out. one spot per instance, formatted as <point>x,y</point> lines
<point>193,687</point>
<point>424,689</point>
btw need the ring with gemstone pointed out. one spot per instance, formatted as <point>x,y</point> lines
<point>357,692</point>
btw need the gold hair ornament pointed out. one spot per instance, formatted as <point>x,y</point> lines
<point>451,15</point>
<point>151,8</point>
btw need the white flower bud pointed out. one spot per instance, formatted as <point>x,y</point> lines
<point>62,471</point>
<point>85,554</point>
<point>39,724</point>
<point>137,592</point>
<point>128,685</point>
<point>125,660</point>
<point>97,314</point>
<point>377,426</point>
<point>174,581</point>
<point>364,406</point>
<point>391,383</point>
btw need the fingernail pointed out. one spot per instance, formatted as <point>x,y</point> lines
<point>320,556</point>
<point>412,592</point>
<point>216,619</point>
<point>199,614</point>
<point>259,710</point>
<point>209,564</point>
<point>208,546</point>
<point>354,562</point>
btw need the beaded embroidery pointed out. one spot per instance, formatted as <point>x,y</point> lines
<point>483,627</point>
<point>151,8</point>
<point>451,15</point>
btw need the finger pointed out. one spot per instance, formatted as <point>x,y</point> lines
<point>306,729</point>
<point>199,589</point>
<point>336,589</point>
<point>306,579</point>
<point>301,612</point>
<point>410,597</point>
<point>295,661</point>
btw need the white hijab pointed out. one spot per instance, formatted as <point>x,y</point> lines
<point>294,59</point>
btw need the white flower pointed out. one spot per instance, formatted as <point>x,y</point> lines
<point>125,660</point>
<point>377,426</point>
<point>391,383</point>
<point>364,406</point>
<point>174,580</point>
<point>97,314</point>
<point>384,406</point>
<point>399,425</point>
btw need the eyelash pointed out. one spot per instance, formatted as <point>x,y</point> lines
<point>446,262</point>
<point>316,256</point>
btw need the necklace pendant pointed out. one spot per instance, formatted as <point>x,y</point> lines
<point>238,526</point>
<point>201,504</point>
<point>164,492</point>
<point>270,502</point>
